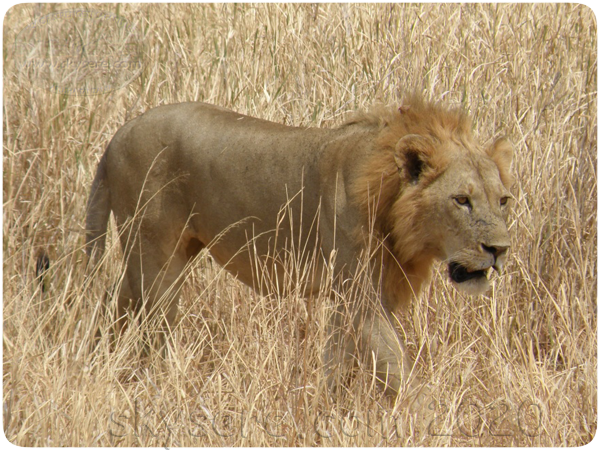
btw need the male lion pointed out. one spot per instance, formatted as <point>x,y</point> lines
<point>402,187</point>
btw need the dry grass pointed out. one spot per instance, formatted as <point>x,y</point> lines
<point>517,367</point>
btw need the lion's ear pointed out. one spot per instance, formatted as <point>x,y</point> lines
<point>412,156</point>
<point>501,153</point>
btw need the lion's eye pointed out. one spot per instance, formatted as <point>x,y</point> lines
<point>462,200</point>
<point>503,201</point>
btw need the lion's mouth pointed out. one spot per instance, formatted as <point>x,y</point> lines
<point>460,274</point>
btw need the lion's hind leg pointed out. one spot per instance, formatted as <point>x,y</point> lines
<point>150,293</point>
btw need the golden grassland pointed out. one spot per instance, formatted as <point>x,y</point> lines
<point>516,367</point>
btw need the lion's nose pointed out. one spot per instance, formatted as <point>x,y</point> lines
<point>496,250</point>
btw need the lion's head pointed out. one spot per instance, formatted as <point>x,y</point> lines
<point>436,195</point>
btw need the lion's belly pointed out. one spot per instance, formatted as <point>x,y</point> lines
<point>257,238</point>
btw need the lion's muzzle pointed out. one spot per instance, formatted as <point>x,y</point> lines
<point>493,257</point>
<point>459,273</point>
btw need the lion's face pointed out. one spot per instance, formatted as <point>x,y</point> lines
<point>465,206</point>
<point>471,215</point>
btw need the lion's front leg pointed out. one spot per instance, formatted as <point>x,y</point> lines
<point>340,349</point>
<point>381,343</point>
<point>370,336</point>
<point>393,366</point>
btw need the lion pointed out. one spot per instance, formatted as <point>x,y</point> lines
<point>404,186</point>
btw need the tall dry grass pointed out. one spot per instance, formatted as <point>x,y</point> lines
<point>516,367</point>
